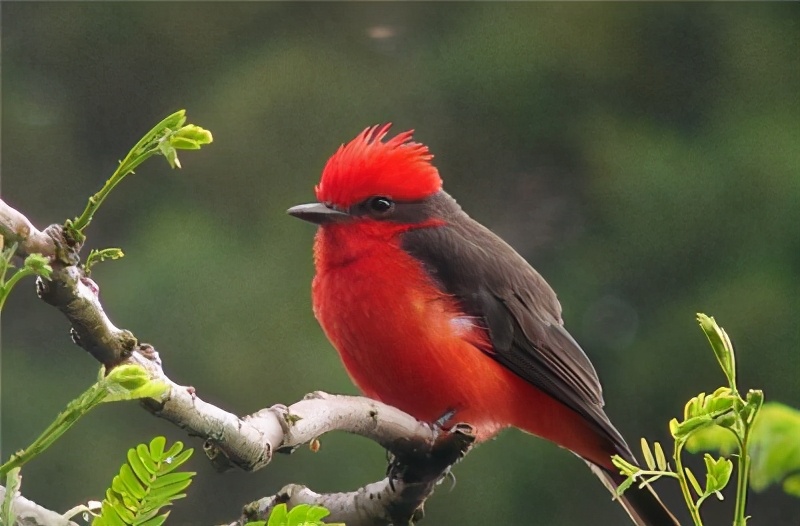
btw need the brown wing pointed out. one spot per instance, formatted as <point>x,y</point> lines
<point>523,316</point>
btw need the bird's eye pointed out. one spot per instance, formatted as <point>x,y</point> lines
<point>380,205</point>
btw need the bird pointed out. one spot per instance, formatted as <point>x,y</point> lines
<point>434,314</point>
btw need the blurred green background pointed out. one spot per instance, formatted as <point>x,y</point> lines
<point>644,157</point>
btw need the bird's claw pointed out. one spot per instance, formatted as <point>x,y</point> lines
<point>448,474</point>
<point>394,470</point>
<point>439,424</point>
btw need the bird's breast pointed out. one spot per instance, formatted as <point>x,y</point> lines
<point>403,340</point>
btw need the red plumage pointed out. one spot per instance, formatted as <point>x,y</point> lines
<point>432,313</point>
<point>398,168</point>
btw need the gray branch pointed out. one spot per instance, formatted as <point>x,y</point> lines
<point>422,455</point>
<point>15,228</point>
<point>31,514</point>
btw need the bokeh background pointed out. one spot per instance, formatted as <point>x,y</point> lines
<point>644,157</point>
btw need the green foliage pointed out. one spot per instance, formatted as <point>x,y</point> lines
<point>166,138</point>
<point>130,382</point>
<point>98,255</point>
<point>774,447</point>
<point>723,421</point>
<point>300,515</point>
<point>35,264</point>
<point>126,382</point>
<point>145,484</point>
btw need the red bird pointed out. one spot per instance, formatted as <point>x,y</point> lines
<point>432,313</point>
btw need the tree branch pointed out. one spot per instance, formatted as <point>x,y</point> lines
<point>31,514</point>
<point>393,500</point>
<point>422,455</point>
<point>16,228</point>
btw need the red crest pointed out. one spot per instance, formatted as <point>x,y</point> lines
<point>367,166</point>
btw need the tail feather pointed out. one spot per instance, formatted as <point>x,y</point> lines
<point>642,504</point>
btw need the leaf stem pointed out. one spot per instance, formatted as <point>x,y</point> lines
<point>145,148</point>
<point>743,468</point>
<point>694,510</point>
<point>5,289</point>
<point>66,419</point>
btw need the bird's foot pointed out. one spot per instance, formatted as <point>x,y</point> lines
<point>394,470</point>
<point>445,418</point>
<point>439,424</point>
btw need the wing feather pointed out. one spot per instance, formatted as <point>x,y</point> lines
<point>522,313</point>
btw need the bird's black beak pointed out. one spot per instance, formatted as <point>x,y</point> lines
<point>317,213</point>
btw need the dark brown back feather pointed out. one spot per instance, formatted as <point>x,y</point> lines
<point>522,314</point>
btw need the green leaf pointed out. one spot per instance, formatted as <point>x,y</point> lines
<point>720,401</point>
<point>719,473</point>
<point>306,515</point>
<point>791,485</point>
<point>195,134</point>
<point>165,493</point>
<point>143,452</point>
<point>316,513</point>
<point>692,407</point>
<point>139,467</point>
<point>279,516</point>
<point>155,521</point>
<point>181,143</point>
<point>627,483</point>
<point>297,515</point>
<point>123,512</point>
<point>172,478</point>
<point>774,445</point>
<point>661,460</point>
<point>127,377</point>
<point>109,515</point>
<point>96,256</point>
<point>175,462</point>
<point>173,451</point>
<point>157,447</point>
<point>152,389</point>
<point>39,264</point>
<point>674,427</point>
<point>693,480</point>
<point>132,484</point>
<point>144,513</point>
<point>721,344</point>
<point>648,455</point>
<point>684,429</point>
<point>174,121</point>
<point>626,468</point>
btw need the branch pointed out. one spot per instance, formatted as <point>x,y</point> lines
<point>29,513</point>
<point>393,500</point>
<point>422,455</point>
<point>15,228</point>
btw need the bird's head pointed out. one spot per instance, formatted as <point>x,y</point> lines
<point>372,179</point>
